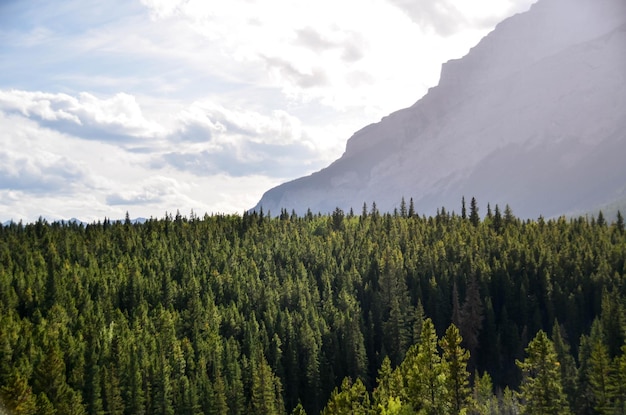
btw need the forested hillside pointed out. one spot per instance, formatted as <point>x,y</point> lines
<point>347,313</point>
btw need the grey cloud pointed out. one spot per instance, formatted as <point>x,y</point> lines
<point>313,40</point>
<point>118,199</point>
<point>305,80</point>
<point>154,191</point>
<point>194,132</point>
<point>272,160</point>
<point>352,47</point>
<point>352,53</point>
<point>89,131</point>
<point>38,176</point>
<point>441,16</point>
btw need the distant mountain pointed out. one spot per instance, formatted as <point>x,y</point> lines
<point>135,221</point>
<point>534,116</point>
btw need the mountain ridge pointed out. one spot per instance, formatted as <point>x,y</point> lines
<point>532,116</point>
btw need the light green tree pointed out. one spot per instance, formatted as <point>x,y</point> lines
<point>424,376</point>
<point>541,389</point>
<point>454,362</point>
<point>353,399</point>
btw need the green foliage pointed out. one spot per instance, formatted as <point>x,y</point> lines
<point>541,390</point>
<point>424,374</point>
<point>237,314</point>
<point>454,361</point>
<point>352,399</point>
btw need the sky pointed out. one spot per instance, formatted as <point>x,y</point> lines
<point>157,106</point>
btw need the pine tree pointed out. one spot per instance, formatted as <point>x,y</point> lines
<point>353,399</point>
<point>463,209</point>
<point>497,220</point>
<point>411,208</point>
<point>541,389</point>
<point>298,410</point>
<point>617,387</point>
<point>50,376</point>
<point>619,224</point>
<point>266,393</point>
<point>389,384</point>
<point>454,361</point>
<point>584,395</point>
<point>567,364</point>
<point>424,375</point>
<point>403,211</point>
<point>472,316</point>
<point>600,372</point>
<point>44,406</point>
<point>482,394</point>
<point>473,217</point>
<point>395,302</point>
<point>18,396</point>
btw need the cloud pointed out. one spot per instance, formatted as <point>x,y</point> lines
<point>271,160</point>
<point>209,121</point>
<point>153,191</point>
<point>307,78</point>
<point>350,44</point>
<point>441,16</point>
<point>85,116</point>
<point>39,173</point>
<point>215,140</point>
<point>448,17</point>
<point>313,40</point>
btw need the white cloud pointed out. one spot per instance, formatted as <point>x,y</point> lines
<point>378,55</point>
<point>212,139</point>
<point>224,124</point>
<point>119,115</point>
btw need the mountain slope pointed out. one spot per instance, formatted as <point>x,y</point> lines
<point>534,116</point>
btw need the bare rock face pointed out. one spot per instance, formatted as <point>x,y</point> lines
<point>534,116</point>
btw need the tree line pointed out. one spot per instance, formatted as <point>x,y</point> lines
<point>391,313</point>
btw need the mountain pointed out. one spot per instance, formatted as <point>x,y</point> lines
<point>534,116</point>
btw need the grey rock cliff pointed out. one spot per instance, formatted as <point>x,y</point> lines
<point>534,116</point>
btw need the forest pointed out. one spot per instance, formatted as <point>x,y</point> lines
<point>346,313</point>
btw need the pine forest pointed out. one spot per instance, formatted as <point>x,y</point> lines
<point>347,313</point>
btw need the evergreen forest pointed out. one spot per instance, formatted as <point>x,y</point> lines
<point>346,313</point>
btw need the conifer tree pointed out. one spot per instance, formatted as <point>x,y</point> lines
<point>541,389</point>
<point>600,371</point>
<point>472,316</point>
<point>483,398</point>
<point>389,384</point>
<point>298,410</point>
<point>463,209</point>
<point>50,377</point>
<point>473,217</point>
<point>411,208</point>
<point>617,387</point>
<point>567,364</point>
<point>454,361</point>
<point>18,397</point>
<point>424,375</point>
<point>619,224</point>
<point>266,393</point>
<point>353,399</point>
<point>584,395</point>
